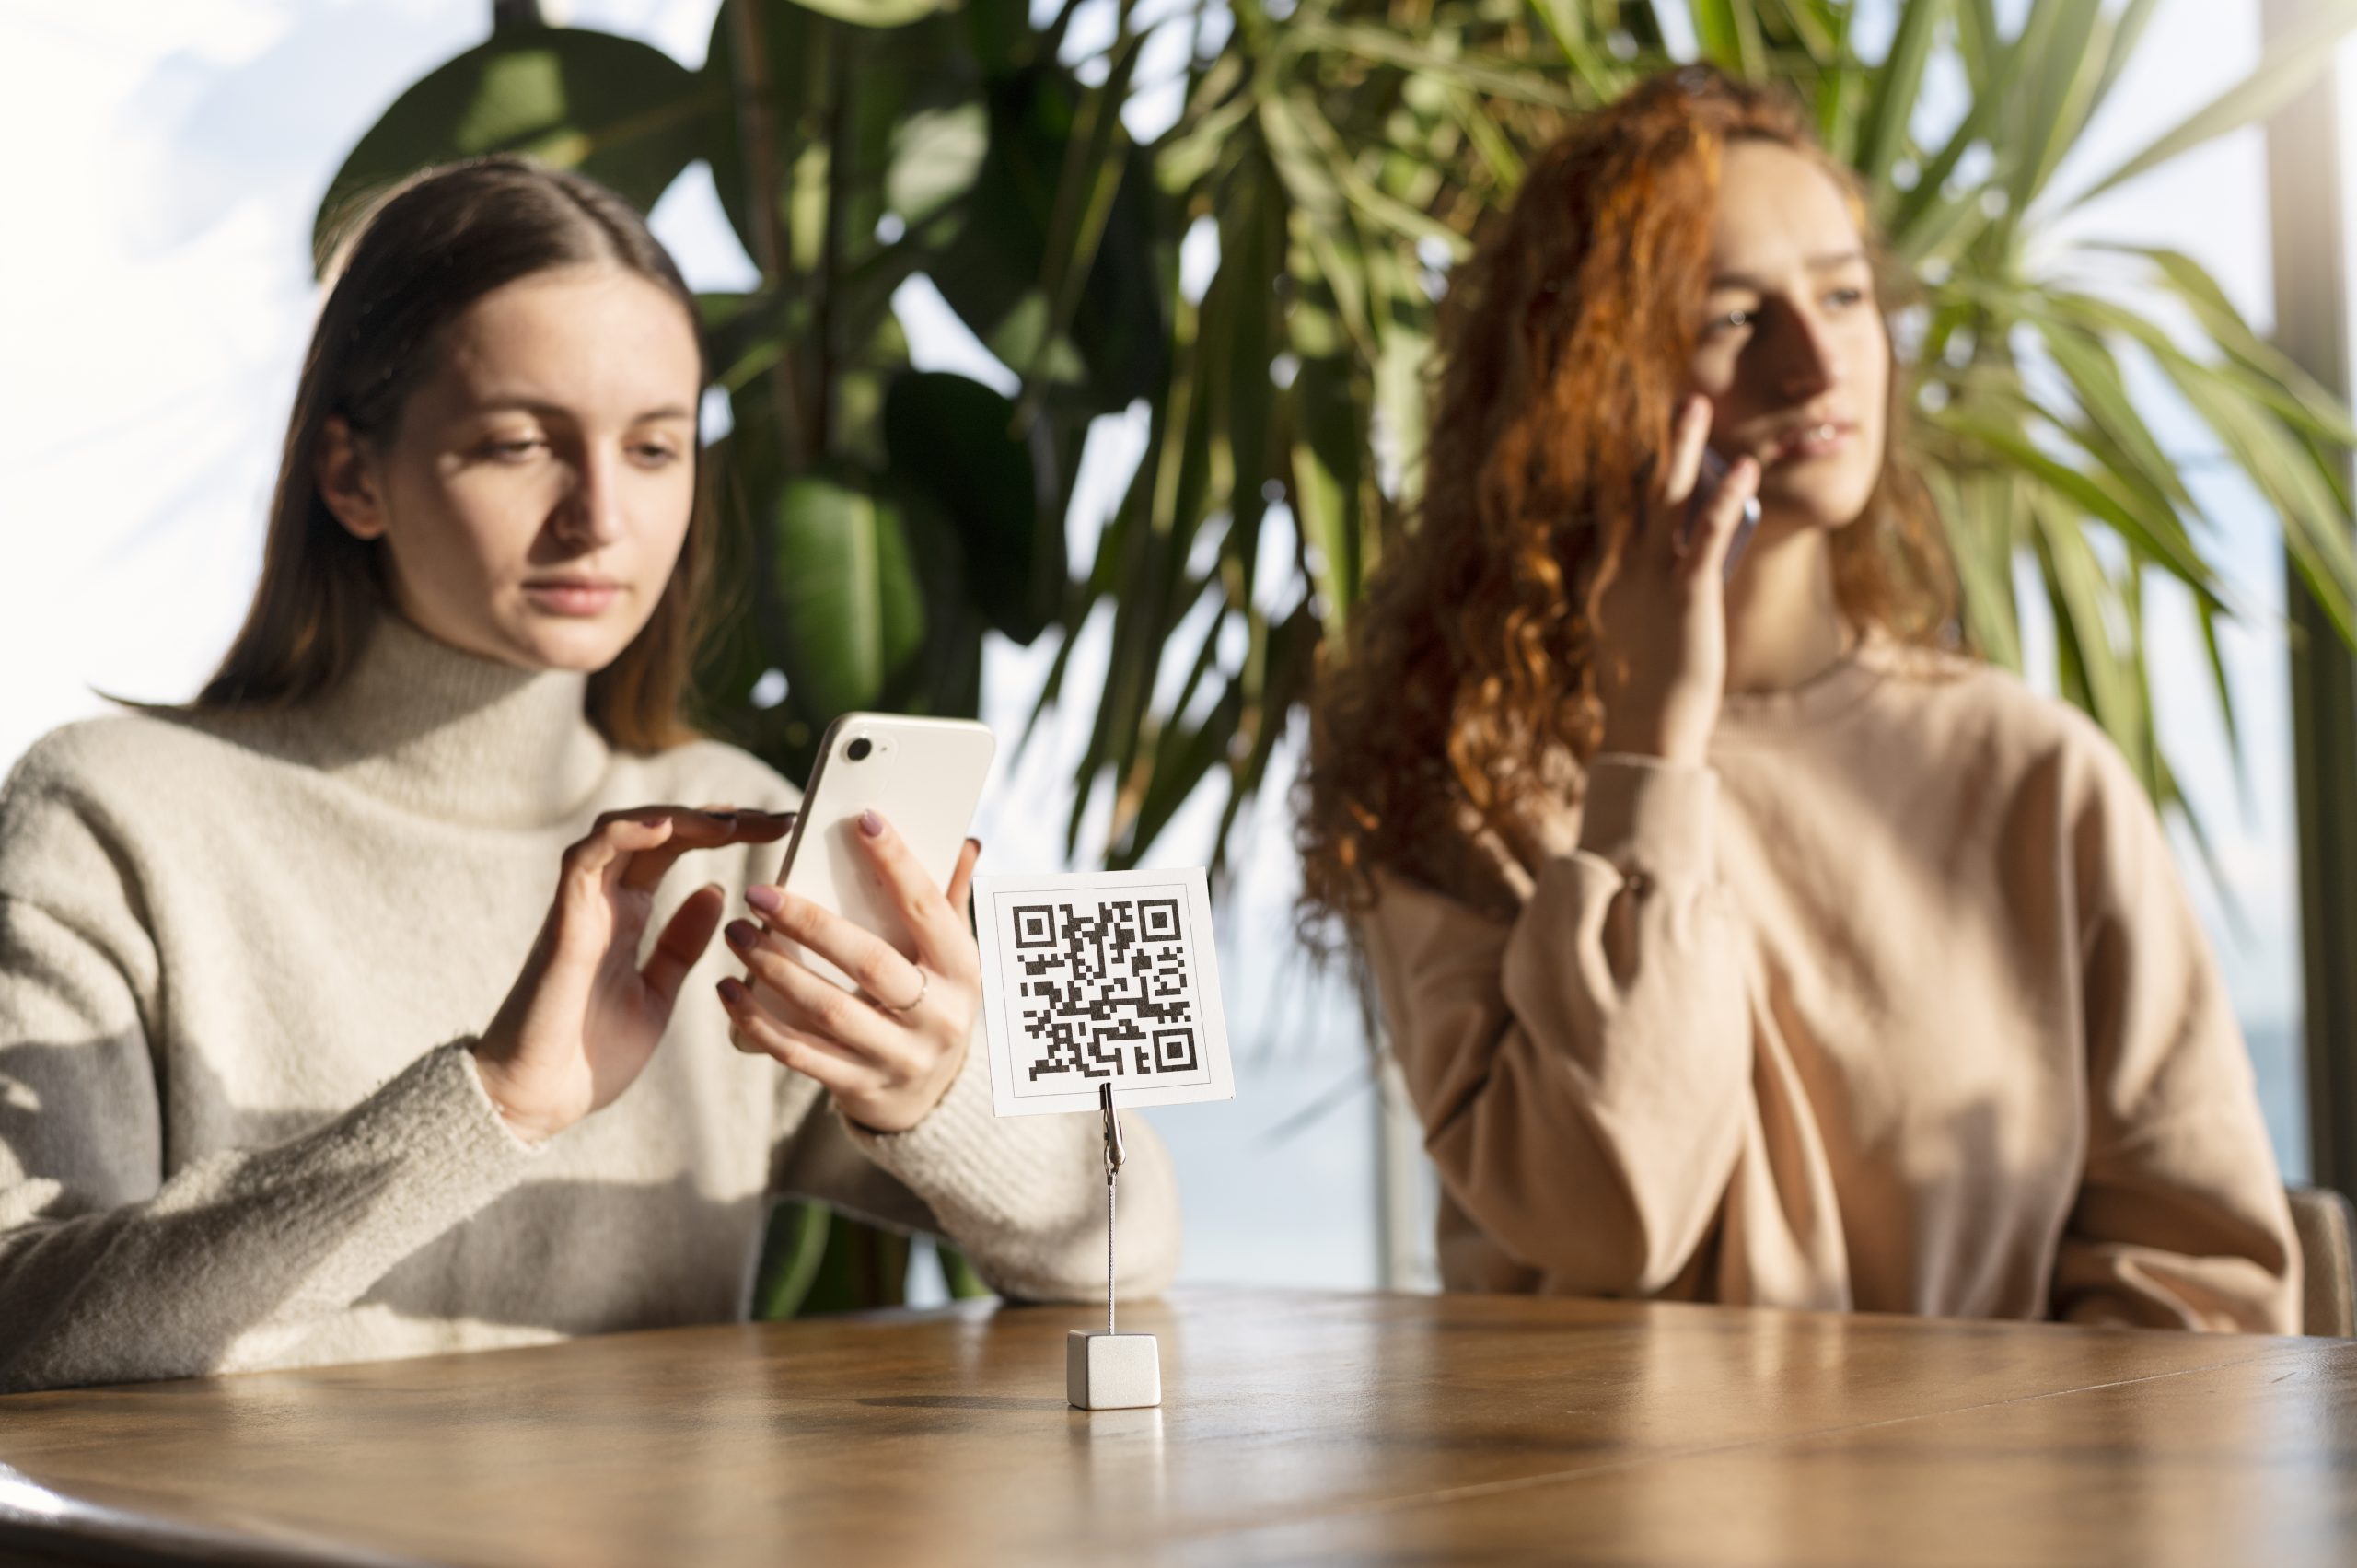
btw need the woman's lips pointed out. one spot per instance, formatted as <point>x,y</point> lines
<point>1821,439</point>
<point>575,598</point>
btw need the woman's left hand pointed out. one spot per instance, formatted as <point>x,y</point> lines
<point>891,1050</point>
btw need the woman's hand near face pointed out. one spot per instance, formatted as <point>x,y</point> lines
<point>1662,634</point>
<point>889,1051</point>
<point>584,1017</point>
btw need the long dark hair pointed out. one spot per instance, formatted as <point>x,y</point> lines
<point>411,264</point>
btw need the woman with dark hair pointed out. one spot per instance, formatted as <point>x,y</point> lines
<point>1741,941</point>
<point>273,1089</point>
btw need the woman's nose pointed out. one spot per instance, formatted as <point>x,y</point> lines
<point>590,513</point>
<point>1806,361</point>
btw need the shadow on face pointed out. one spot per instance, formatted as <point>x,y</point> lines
<point>1794,353</point>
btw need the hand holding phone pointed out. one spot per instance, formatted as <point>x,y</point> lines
<point>1661,652</point>
<point>924,777</point>
<point>872,903</point>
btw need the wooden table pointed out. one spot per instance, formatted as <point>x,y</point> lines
<point>1296,1427</point>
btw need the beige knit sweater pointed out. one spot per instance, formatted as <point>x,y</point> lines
<point>242,957</point>
<point>1897,1006</point>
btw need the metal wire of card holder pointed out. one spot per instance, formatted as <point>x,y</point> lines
<point>1114,1154</point>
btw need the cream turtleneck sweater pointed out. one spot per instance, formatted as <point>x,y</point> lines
<point>242,957</point>
<point>1897,1006</point>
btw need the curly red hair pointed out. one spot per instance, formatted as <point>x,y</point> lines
<point>1564,350</point>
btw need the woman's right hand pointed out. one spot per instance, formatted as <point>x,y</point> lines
<point>1660,625</point>
<point>584,1017</point>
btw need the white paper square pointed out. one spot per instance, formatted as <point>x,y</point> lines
<point>1102,976</point>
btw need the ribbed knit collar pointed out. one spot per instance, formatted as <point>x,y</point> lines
<point>450,734</point>
<point>1841,687</point>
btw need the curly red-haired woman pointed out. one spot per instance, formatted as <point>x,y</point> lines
<point>1741,940</point>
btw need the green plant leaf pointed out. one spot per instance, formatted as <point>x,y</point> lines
<point>849,611</point>
<point>788,35</point>
<point>914,128</point>
<point>1503,80</point>
<point>2295,59</point>
<point>2127,31</point>
<point>2222,691</point>
<point>2306,493</point>
<point>860,1266</point>
<point>992,269</point>
<point>620,111</point>
<point>965,1282</point>
<point>1182,762</point>
<point>935,155</point>
<point>745,335</point>
<point>1980,45</point>
<point>2191,283</point>
<point>2092,670</point>
<point>1980,511</point>
<point>795,1243</point>
<point>1583,47</point>
<point>2054,76</point>
<point>1821,27</point>
<point>1345,176</point>
<point>1276,682</point>
<point>2095,380</point>
<point>953,439</point>
<point>1897,84</point>
<point>872,13</point>
<point>1096,157</point>
<point>1930,202</point>
<point>1728,34</point>
<point>1328,457</point>
<point>2089,493</point>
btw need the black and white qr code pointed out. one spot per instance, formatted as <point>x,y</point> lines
<point>1105,989</point>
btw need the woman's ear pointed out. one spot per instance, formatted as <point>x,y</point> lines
<point>347,479</point>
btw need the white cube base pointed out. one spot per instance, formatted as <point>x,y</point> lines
<point>1111,1372</point>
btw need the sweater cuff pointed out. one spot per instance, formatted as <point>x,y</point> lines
<point>940,1153</point>
<point>1646,816</point>
<point>448,1134</point>
<point>424,1153</point>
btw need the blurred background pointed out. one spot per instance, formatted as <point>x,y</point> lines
<point>1087,336</point>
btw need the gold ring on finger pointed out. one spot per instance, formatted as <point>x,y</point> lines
<point>924,983</point>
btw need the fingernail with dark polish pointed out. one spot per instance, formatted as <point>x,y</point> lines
<point>871,824</point>
<point>978,847</point>
<point>739,933</point>
<point>763,897</point>
<point>732,992</point>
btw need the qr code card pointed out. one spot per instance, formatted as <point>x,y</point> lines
<point>1103,977</point>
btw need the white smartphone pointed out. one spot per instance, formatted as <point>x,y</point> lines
<point>924,776</point>
<point>1706,484</point>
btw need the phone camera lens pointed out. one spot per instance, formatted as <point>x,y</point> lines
<point>858,749</point>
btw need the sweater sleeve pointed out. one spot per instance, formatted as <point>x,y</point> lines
<point>115,1267</point>
<point>1583,1075</point>
<point>1023,1197</point>
<point>2181,1219</point>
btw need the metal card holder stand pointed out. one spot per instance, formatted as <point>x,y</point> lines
<point>1111,1370</point>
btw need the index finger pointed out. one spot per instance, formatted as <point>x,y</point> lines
<point>693,829</point>
<point>1689,435</point>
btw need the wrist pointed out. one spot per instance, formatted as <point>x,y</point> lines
<point>888,1122</point>
<point>892,1119</point>
<point>529,1128</point>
